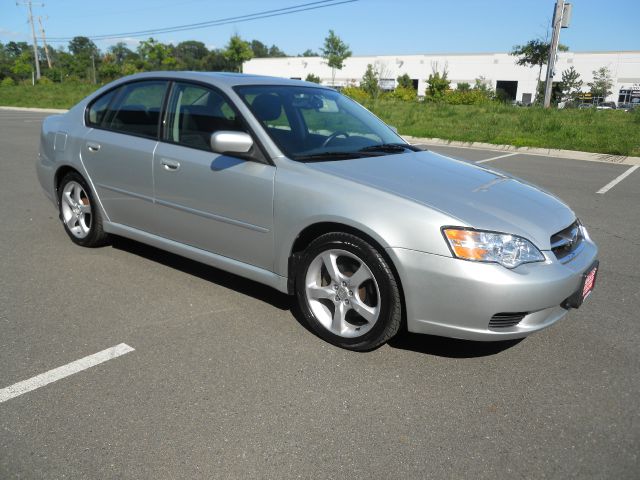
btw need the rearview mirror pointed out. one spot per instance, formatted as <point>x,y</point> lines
<point>231,142</point>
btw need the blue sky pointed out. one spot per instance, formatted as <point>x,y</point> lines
<point>370,27</point>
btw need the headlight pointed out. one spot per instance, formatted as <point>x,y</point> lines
<point>476,245</point>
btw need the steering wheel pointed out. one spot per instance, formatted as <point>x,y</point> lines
<point>333,136</point>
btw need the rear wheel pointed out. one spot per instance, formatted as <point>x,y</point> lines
<point>347,292</point>
<point>79,213</point>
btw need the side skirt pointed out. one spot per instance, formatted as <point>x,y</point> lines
<point>218,261</point>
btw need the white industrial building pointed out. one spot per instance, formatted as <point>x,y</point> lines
<point>499,69</point>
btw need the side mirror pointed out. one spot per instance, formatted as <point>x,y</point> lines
<point>231,142</point>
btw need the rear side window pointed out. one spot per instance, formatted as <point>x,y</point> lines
<point>135,109</point>
<point>195,112</point>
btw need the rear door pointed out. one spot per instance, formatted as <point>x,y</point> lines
<point>118,151</point>
<point>218,203</point>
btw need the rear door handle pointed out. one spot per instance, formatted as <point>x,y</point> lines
<point>94,147</point>
<point>170,165</point>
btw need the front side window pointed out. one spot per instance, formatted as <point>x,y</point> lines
<point>195,112</point>
<point>136,109</point>
<point>309,123</point>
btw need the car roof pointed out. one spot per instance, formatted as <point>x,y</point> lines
<point>229,79</point>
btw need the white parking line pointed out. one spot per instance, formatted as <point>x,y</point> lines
<point>496,158</point>
<point>617,180</point>
<point>64,371</point>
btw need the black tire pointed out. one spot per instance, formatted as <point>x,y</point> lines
<point>95,237</point>
<point>390,305</point>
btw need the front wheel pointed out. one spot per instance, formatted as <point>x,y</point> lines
<point>347,292</point>
<point>79,212</point>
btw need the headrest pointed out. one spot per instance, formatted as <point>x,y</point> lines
<point>267,106</point>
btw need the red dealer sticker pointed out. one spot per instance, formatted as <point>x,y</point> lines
<point>589,282</point>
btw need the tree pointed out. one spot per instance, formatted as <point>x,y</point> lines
<point>571,85</point>
<point>312,78</point>
<point>121,53</point>
<point>335,52</point>
<point>370,82</point>
<point>23,65</point>
<point>534,53</point>
<point>259,49</point>
<point>437,84</point>
<point>404,81</point>
<point>215,61</point>
<point>309,53</point>
<point>156,55</point>
<point>237,52</point>
<point>276,52</point>
<point>83,46</point>
<point>602,83</point>
<point>84,56</point>
<point>190,54</point>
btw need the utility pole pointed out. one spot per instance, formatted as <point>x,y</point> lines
<point>561,17</point>
<point>93,67</point>
<point>33,34</point>
<point>44,41</point>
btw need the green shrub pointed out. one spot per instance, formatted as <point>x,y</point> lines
<point>404,93</point>
<point>312,78</point>
<point>8,82</point>
<point>357,94</point>
<point>45,81</point>
<point>465,97</point>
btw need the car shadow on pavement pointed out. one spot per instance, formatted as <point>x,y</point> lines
<point>448,347</point>
<point>426,344</point>
<point>211,274</point>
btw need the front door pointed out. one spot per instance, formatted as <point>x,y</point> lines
<point>218,203</point>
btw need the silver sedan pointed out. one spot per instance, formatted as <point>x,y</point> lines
<point>295,186</point>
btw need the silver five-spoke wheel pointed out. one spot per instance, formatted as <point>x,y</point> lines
<point>76,209</point>
<point>342,293</point>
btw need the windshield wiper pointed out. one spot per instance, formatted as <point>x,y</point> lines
<point>329,156</point>
<point>389,148</point>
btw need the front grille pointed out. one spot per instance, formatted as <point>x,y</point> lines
<point>566,242</point>
<point>506,319</point>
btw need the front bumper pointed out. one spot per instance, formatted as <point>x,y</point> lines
<point>456,298</point>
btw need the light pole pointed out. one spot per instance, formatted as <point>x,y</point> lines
<point>561,18</point>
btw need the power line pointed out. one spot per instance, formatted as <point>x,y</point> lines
<point>214,23</point>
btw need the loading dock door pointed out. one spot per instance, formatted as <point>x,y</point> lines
<point>509,88</point>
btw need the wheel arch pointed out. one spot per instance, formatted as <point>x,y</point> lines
<point>313,231</point>
<point>60,173</point>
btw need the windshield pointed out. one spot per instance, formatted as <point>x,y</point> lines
<point>310,123</point>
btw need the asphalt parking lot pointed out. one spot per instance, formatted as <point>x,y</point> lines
<point>222,381</point>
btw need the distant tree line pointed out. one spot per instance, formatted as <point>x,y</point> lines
<point>82,61</point>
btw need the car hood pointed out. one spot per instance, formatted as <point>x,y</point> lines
<point>476,196</point>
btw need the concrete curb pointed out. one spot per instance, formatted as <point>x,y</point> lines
<point>547,152</point>
<point>28,109</point>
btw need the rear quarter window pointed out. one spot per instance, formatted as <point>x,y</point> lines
<point>99,107</point>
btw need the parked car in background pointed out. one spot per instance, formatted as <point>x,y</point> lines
<point>628,107</point>
<point>606,106</point>
<point>296,186</point>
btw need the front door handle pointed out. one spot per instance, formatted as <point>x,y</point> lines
<point>170,165</point>
<point>93,147</point>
